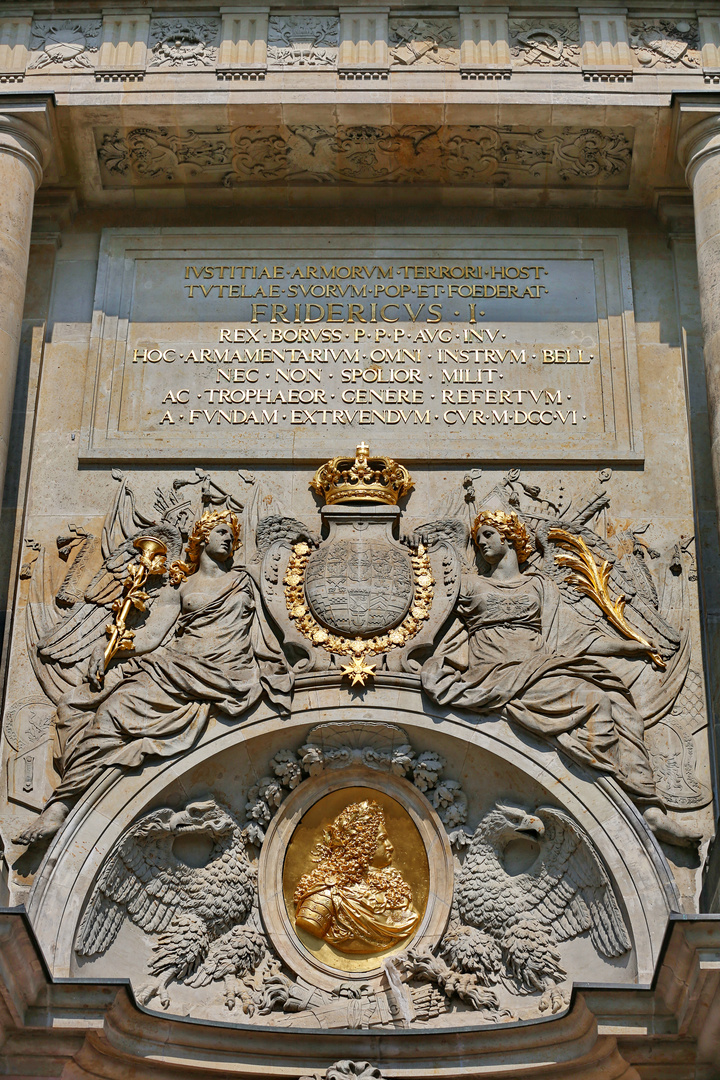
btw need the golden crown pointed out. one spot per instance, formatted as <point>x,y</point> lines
<point>366,479</point>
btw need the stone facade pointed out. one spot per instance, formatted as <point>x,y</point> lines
<point>360,523</point>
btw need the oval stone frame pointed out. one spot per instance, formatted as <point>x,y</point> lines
<point>272,860</point>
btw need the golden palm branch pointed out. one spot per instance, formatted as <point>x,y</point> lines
<point>591,579</point>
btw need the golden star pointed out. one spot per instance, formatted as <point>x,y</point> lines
<point>357,671</point>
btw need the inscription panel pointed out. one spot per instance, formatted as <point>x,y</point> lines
<point>458,345</point>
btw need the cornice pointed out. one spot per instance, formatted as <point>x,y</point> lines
<point>96,1028</point>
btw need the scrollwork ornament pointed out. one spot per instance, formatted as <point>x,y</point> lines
<point>368,154</point>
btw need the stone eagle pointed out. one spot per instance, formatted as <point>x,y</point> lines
<point>507,926</point>
<point>204,915</point>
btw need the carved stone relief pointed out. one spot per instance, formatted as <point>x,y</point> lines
<point>426,154</point>
<point>505,926</point>
<point>673,746</point>
<point>67,43</point>
<point>346,744</point>
<point>357,1070</point>
<point>467,669</point>
<point>198,866</point>
<point>424,42</point>
<point>183,43</point>
<point>665,43</point>
<point>302,41</point>
<point>104,706</point>
<point>27,729</point>
<point>526,882</point>
<point>554,43</point>
<point>578,646</point>
<point>204,917</point>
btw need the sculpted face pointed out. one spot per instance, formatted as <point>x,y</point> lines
<point>384,850</point>
<point>491,544</point>
<point>219,544</point>
<point>354,899</point>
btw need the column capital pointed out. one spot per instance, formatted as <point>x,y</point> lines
<point>25,131</point>
<point>700,141</point>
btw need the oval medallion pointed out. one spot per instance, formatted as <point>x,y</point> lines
<point>358,588</point>
<point>355,879</point>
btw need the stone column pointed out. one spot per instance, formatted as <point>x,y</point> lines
<point>24,148</point>
<point>699,151</point>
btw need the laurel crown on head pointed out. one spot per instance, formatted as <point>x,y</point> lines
<point>180,571</point>
<point>510,527</point>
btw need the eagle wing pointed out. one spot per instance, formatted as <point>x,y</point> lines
<point>569,889</point>
<point>278,527</point>
<point>141,880</point>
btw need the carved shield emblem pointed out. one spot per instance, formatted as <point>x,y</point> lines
<point>359,587</point>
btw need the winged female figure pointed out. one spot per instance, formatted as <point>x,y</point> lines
<point>528,657</point>
<point>203,647</point>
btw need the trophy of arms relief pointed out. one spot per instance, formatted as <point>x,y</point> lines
<point>515,603</point>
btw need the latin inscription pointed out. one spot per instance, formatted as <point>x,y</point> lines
<point>461,352</point>
<point>362,346</point>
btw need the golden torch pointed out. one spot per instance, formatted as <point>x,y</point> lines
<point>151,560</point>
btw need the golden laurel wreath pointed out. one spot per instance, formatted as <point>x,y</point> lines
<point>358,670</point>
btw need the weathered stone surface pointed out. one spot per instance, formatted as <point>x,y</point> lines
<point>430,763</point>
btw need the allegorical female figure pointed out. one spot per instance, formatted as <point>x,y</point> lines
<point>203,648</point>
<point>354,899</point>
<point>529,658</point>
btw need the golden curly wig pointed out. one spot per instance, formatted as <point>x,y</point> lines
<point>181,571</point>
<point>509,526</point>
<point>345,852</point>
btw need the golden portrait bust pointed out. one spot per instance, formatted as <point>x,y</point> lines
<point>354,899</point>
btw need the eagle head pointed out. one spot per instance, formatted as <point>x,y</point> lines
<point>505,823</point>
<point>206,818</point>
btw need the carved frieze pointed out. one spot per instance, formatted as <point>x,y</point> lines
<point>424,42</point>
<point>550,43</point>
<point>294,154</point>
<point>302,41</point>
<point>65,43</point>
<point>183,43</point>
<point>665,43</point>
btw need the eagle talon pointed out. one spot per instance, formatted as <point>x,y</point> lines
<point>554,1000</point>
<point>149,991</point>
